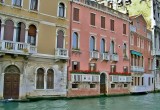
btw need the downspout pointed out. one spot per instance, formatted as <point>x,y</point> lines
<point>69,47</point>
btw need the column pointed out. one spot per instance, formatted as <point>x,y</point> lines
<point>21,86</point>
<point>37,37</point>
<point>2,84</point>
<point>26,35</point>
<point>2,31</point>
<point>14,33</point>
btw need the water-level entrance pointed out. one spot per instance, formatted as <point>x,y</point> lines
<point>103,83</point>
<point>11,83</point>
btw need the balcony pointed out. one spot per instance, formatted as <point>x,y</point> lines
<point>61,53</point>
<point>105,56</point>
<point>132,28</point>
<point>94,55</point>
<point>114,57</point>
<point>120,78</point>
<point>137,69</point>
<point>138,89</point>
<point>17,48</point>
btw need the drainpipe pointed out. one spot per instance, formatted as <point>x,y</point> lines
<point>69,46</point>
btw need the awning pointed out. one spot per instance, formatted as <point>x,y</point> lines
<point>136,53</point>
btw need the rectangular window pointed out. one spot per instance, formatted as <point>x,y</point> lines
<point>75,65</point>
<point>142,81</point>
<point>149,81</point>
<point>112,25</point>
<point>124,28</point>
<point>92,19</point>
<point>17,2</point>
<point>113,68</point>
<point>125,69</point>
<point>74,85</point>
<point>34,5</point>
<point>103,22</point>
<point>125,85</point>
<point>92,85</point>
<point>92,67</point>
<point>113,85</point>
<point>76,14</point>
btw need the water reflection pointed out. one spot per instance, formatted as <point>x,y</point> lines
<point>144,102</point>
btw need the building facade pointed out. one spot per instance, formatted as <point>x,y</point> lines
<point>155,26</point>
<point>33,48</point>
<point>141,59</point>
<point>99,55</point>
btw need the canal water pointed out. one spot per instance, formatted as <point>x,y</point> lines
<point>140,102</point>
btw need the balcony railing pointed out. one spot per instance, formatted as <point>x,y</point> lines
<point>114,57</point>
<point>136,89</point>
<point>94,55</point>
<point>17,47</point>
<point>61,53</point>
<point>133,28</point>
<point>105,56</point>
<point>137,69</point>
<point>101,7</point>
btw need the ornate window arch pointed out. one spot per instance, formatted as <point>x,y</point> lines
<point>50,79</point>
<point>61,10</point>
<point>32,33</point>
<point>75,41</point>
<point>8,30</point>
<point>60,39</point>
<point>40,78</point>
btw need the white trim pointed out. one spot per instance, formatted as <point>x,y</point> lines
<point>65,8</point>
<point>63,39</point>
<point>21,5</point>
<point>95,42</point>
<point>37,6</point>
<point>48,23</point>
<point>104,44</point>
<point>78,35</point>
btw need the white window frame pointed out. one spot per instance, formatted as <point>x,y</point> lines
<point>78,38</point>
<point>64,37</point>
<point>37,6</point>
<point>95,41</point>
<point>21,5</point>
<point>65,8</point>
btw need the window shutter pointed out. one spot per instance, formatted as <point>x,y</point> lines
<point>124,28</point>
<point>102,22</point>
<point>112,25</point>
<point>8,30</point>
<point>78,65</point>
<point>76,14</point>
<point>32,31</point>
<point>92,19</point>
<point>60,39</point>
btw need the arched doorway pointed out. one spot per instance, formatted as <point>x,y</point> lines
<point>103,83</point>
<point>11,82</point>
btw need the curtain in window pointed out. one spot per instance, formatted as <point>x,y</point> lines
<point>20,32</point>
<point>17,2</point>
<point>32,35</point>
<point>50,79</point>
<point>102,46</point>
<point>61,10</point>
<point>40,79</point>
<point>34,5</point>
<point>8,30</point>
<point>60,39</point>
<point>75,41</point>
<point>92,43</point>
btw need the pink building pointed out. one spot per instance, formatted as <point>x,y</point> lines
<point>141,59</point>
<point>99,55</point>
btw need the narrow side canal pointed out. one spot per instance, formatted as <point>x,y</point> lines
<point>140,102</point>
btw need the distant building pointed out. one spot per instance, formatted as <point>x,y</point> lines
<point>140,52</point>
<point>99,55</point>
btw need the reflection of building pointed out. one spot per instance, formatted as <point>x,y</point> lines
<point>33,50</point>
<point>99,46</point>
<point>155,17</point>
<point>141,59</point>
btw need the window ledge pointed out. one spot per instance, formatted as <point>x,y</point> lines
<point>112,31</point>
<point>76,22</point>
<point>93,26</point>
<point>62,18</point>
<point>76,51</point>
<point>17,7</point>
<point>103,29</point>
<point>33,11</point>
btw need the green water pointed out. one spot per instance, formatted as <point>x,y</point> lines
<point>140,102</point>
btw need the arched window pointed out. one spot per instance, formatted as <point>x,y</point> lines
<point>92,43</point>
<point>102,46</point>
<point>50,79</point>
<point>40,79</point>
<point>32,35</point>
<point>124,50</point>
<point>34,5</point>
<point>8,30</point>
<point>61,10</point>
<point>17,2</point>
<point>60,39</point>
<point>20,32</point>
<point>75,40</point>
<point>112,47</point>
